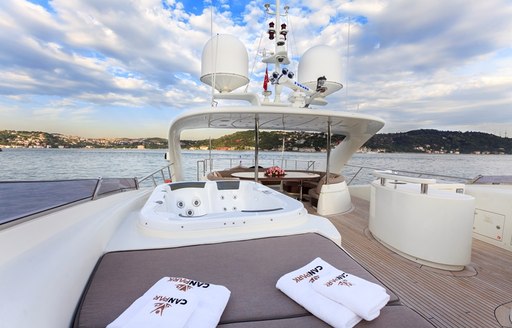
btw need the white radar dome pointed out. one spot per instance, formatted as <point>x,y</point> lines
<point>321,61</point>
<point>226,62</point>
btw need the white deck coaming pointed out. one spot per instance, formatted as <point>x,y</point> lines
<point>357,128</point>
<point>45,262</point>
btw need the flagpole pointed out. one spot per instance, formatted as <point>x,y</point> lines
<point>266,93</point>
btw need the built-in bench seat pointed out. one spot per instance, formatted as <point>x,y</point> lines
<point>249,269</point>
<point>226,174</point>
<point>293,187</point>
<point>311,188</point>
<point>314,190</point>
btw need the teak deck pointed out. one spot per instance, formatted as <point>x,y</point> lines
<point>479,296</point>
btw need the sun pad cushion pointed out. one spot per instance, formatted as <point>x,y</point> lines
<point>249,269</point>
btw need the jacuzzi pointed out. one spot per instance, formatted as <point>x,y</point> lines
<point>186,206</point>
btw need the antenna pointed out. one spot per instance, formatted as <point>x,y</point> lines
<point>213,103</point>
<point>346,69</point>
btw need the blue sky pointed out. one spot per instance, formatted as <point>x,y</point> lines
<point>122,68</point>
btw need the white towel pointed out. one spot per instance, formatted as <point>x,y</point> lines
<point>163,305</point>
<point>364,298</point>
<point>207,302</point>
<point>298,285</point>
<point>212,302</point>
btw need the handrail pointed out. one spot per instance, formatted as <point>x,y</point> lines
<point>152,175</point>
<point>383,175</point>
<point>77,191</point>
<point>207,165</point>
<point>419,174</point>
<point>393,176</point>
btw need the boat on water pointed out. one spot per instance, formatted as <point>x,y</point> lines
<point>89,249</point>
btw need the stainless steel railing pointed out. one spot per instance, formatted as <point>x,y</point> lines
<point>355,174</point>
<point>356,171</point>
<point>203,166</point>
<point>153,176</point>
<point>27,199</point>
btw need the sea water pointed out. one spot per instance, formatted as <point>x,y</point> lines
<point>51,164</point>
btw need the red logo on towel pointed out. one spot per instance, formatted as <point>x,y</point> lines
<point>188,283</point>
<point>183,287</point>
<point>345,283</point>
<point>339,280</point>
<point>164,302</point>
<point>160,307</point>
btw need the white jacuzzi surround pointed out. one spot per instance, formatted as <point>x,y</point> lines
<point>183,206</point>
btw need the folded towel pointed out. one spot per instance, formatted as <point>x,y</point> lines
<point>298,285</point>
<point>364,298</point>
<point>212,302</point>
<point>161,306</point>
<point>206,302</point>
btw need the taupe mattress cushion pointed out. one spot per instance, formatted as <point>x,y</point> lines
<point>249,269</point>
<point>390,317</point>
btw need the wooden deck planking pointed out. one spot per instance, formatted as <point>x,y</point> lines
<point>445,299</point>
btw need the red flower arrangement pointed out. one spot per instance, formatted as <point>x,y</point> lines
<point>275,171</point>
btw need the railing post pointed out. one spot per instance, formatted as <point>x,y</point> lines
<point>355,175</point>
<point>197,168</point>
<point>97,188</point>
<point>257,146</point>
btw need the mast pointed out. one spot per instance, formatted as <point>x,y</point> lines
<point>277,33</point>
<point>277,88</point>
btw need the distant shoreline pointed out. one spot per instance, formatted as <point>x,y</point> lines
<point>163,150</point>
<point>416,141</point>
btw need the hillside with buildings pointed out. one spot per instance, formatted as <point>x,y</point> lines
<point>38,139</point>
<point>419,141</point>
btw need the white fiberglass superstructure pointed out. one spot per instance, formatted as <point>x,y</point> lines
<point>225,69</point>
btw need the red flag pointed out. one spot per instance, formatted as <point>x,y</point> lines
<point>265,80</point>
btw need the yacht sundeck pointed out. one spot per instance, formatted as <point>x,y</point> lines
<point>442,252</point>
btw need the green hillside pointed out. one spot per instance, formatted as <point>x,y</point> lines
<point>422,141</point>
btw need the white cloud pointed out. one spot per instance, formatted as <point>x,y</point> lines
<point>417,64</point>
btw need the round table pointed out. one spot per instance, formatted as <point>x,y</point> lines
<point>289,176</point>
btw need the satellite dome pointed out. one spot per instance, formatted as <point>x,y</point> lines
<point>321,61</point>
<point>226,62</point>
